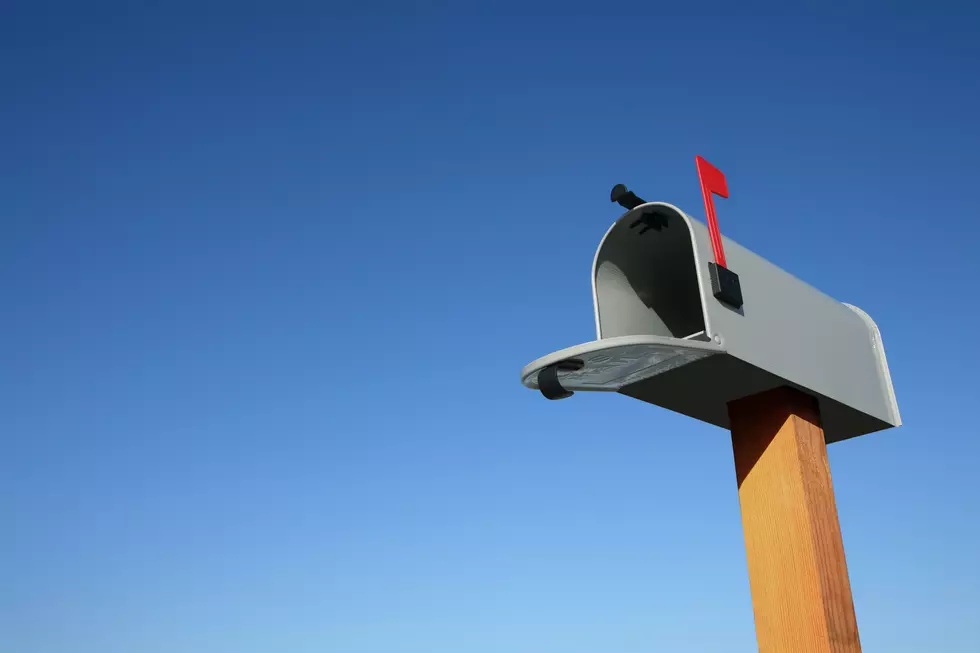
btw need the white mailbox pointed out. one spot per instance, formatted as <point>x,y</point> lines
<point>665,337</point>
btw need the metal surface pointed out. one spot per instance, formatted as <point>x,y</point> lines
<point>657,285</point>
<point>614,363</point>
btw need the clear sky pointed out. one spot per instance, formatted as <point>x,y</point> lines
<point>269,275</point>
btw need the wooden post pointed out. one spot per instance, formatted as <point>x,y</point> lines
<point>801,595</point>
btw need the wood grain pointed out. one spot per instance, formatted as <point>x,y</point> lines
<point>801,595</point>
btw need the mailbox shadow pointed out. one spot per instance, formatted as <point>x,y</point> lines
<point>740,310</point>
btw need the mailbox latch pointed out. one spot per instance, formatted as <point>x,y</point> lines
<point>548,382</point>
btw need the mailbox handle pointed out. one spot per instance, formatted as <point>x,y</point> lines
<point>712,181</point>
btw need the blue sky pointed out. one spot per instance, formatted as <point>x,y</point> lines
<point>269,276</point>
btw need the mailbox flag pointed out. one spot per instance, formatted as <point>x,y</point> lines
<point>712,181</point>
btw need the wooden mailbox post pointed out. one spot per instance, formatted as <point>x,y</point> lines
<point>801,594</point>
<point>693,322</point>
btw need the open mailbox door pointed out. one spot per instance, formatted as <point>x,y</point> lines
<point>664,337</point>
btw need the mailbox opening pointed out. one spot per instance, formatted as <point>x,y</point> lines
<point>647,283</point>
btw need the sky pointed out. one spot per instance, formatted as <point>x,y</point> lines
<point>269,274</point>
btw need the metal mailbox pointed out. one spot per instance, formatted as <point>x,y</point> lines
<point>664,337</point>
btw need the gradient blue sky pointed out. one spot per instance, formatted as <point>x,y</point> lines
<point>269,275</point>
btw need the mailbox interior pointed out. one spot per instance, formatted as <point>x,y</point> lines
<point>645,279</point>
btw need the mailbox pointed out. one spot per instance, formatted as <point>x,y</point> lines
<point>675,330</point>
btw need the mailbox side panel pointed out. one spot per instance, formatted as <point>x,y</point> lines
<point>793,330</point>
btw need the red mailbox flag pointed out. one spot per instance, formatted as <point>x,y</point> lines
<point>712,181</point>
